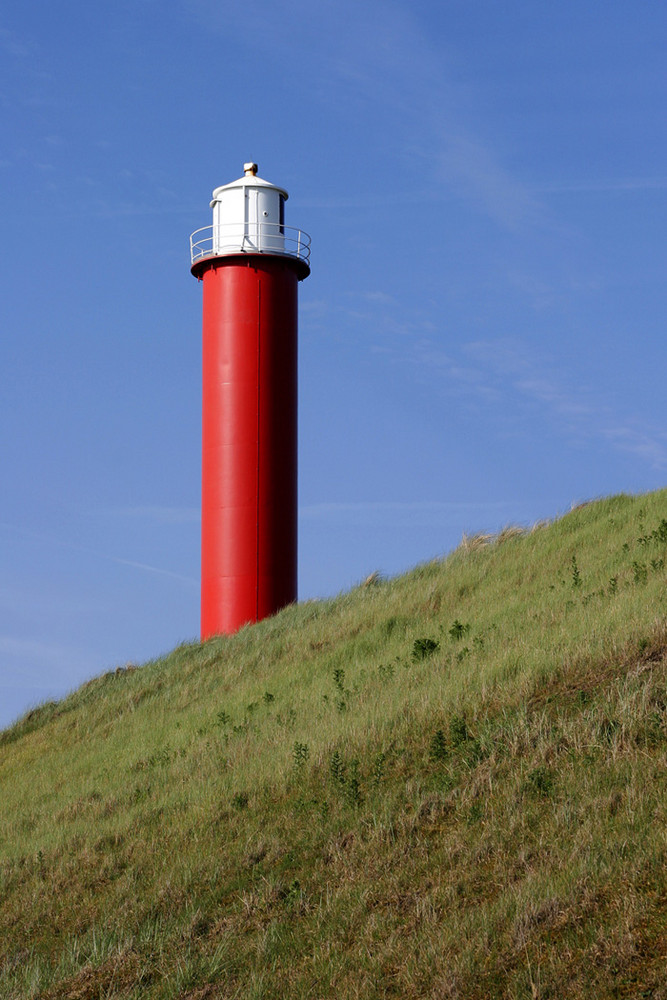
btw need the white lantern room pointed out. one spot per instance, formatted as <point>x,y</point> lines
<point>249,218</point>
<point>249,215</point>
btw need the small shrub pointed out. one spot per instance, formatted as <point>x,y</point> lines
<point>475,813</point>
<point>300,753</point>
<point>539,782</point>
<point>339,681</point>
<point>576,575</point>
<point>392,625</point>
<point>438,747</point>
<point>640,572</point>
<point>347,777</point>
<point>422,648</point>
<point>352,785</point>
<point>652,732</point>
<point>293,893</point>
<point>337,768</point>
<point>660,533</point>
<point>268,698</point>
<point>458,730</point>
<point>378,768</point>
<point>240,801</point>
<point>458,630</point>
<point>607,730</point>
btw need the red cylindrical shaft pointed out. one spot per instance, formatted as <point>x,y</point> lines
<point>249,440</point>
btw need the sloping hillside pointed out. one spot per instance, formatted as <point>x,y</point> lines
<point>449,784</point>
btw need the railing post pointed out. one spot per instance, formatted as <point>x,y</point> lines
<point>258,237</point>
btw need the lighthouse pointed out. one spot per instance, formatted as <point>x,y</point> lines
<point>250,264</point>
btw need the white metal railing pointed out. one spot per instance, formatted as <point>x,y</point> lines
<point>222,239</point>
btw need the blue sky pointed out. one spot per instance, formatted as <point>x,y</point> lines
<point>482,337</point>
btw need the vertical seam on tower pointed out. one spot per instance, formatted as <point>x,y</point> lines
<point>259,382</point>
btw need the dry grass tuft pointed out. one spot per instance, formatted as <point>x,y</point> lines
<point>472,543</point>
<point>509,533</point>
<point>539,525</point>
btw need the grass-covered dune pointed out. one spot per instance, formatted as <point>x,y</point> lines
<point>449,784</point>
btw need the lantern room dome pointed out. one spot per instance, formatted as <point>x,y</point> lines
<point>249,180</point>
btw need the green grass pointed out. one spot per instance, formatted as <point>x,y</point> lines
<point>449,784</point>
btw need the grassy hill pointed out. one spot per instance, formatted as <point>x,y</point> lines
<point>449,784</point>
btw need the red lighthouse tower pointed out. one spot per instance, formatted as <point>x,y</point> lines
<point>250,264</point>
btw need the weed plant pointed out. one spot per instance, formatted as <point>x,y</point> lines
<point>448,784</point>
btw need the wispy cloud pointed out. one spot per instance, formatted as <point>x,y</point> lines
<point>647,443</point>
<point>471,167</point>
<point>579,409</point>
<point>36,660</point>
<point>65,543</point>
<point>146,568</point>
<point>384,59</point>
<point>156,513</point>
<point>26,602</point>
<point>378,296</point>
<point>621,184</point>
<point>554,396</point>
<point>12,45</point>
<point>382,513</point>
<point>364,201</point>
<point>46,651</point>
<point>501,374</point>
